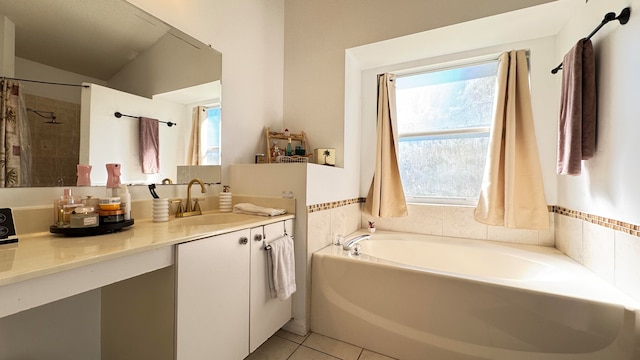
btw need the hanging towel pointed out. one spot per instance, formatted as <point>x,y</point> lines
<point>281,268</point>
<point>149,146</point>
<point>578,109</point>
<point>251,209</point>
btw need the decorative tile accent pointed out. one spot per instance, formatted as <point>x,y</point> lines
<point>625,227</point>
<point>333,204</point>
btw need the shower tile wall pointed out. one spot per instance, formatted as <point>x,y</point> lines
<point>55,148</point>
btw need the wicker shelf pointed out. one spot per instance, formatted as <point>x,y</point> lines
<point>281,140</point>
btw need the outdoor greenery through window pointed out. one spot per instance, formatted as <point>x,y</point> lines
<point>444,118</point>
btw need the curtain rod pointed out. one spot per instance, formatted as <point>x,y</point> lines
<point>118,114</point>
<point>43,82</point>
<point>623,18</point>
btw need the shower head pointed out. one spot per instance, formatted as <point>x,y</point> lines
<point>50,115</point>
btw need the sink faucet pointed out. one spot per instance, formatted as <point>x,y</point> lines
<point>351,242</point>
<point>189,209</point>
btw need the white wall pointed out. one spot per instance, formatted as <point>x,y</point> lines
<point>608,185</point>
<point>116,140</point>
<point>170,64</point>
<point>250,36</point>
<point>27,69</point>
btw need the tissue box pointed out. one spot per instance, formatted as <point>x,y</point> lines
<point>325,156</point>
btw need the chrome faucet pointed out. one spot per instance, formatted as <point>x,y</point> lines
<point>351,242</point>
<point>189,209</point>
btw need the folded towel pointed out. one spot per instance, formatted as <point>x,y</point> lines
<point>578,108</point>
<point>251,209</point>
<point>149,146</point>
<point>281,268</point>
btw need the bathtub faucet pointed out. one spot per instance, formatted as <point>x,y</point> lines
<point>349,243</point>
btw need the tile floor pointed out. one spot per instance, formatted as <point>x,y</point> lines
<point>287,346</point>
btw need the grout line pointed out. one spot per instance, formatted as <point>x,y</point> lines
<point>320,351</point>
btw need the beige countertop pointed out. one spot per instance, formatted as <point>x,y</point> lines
<point>41,254</point>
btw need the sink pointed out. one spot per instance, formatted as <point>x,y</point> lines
<point>214,219</point>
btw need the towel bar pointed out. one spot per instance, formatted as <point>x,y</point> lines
<point>267,247</point>
<point>623,18</point>
<point>118,114</point>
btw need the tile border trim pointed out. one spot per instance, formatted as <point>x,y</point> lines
<point>333,205</point>
<point>625,227</point>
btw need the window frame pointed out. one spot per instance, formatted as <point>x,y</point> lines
<point>439,200</point>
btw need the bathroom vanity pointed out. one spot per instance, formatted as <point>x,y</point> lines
<point>193,288</point>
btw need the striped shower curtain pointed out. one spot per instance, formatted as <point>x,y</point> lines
<point>10,174</point>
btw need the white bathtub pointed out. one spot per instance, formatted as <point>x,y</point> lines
<point>429,297</point>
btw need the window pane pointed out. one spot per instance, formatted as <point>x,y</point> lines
<point>443,166</point>
<point>210,137</point>
<point>443,100</point>
<point>440,156</point>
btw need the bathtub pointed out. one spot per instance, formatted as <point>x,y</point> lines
<point>430,297</point>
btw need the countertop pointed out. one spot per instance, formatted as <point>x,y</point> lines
<point>39,255</point>
<point>45,253</point>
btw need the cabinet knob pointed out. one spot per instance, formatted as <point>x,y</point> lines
<point>244,240</point>
<point>257,237</point>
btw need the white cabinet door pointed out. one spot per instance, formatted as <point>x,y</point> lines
<point>212,287</point>
<point>267,314</point>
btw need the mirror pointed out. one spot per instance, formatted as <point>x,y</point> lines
<point>118,49</point>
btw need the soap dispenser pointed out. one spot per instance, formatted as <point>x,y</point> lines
<point>225,199</point>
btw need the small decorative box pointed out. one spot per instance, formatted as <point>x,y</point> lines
<point>325,156</point>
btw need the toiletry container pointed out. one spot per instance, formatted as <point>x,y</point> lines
<point>84,175</point>
<point>109,203</point>
<point>113,179</point>
<point>63,207</point>
<point>160,209</point>
<point>125,201</point>
<point>225,200</point>
<point>289,150</point>
<point>84,217</point>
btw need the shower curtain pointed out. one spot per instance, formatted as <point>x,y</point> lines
<point>14,164</point>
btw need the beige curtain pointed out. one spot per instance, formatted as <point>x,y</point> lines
<point>195,154</point>
<point>386,196</point>
<point>9,134</point>
<point>512,193</point>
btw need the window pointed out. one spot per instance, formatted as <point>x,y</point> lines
<point>210,137</point>
<point>444,118</point>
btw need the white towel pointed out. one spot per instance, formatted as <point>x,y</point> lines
<point>281,268</point>
<point>251,209</point>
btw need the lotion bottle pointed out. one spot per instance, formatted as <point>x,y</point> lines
<point>289,151</point>
<point>125,201</point>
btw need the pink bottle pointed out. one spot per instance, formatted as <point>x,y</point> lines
<point>84,175</point>
<point>113,176</point>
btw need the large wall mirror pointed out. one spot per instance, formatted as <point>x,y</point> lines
<point>113,48</point>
